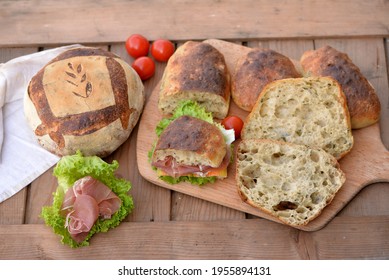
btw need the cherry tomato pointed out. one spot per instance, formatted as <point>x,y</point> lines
<point>162,50</point>
<point>137,46</point>
<point>144,66</point>
<point>233,122</point>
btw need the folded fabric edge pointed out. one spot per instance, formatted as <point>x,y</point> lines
<point>26,181</point>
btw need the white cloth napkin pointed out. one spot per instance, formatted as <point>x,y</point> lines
<point>22,160</point>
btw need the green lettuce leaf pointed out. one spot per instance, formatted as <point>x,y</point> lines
<point>186,108</point>
<point>191,179</point>
<point>68,170</point>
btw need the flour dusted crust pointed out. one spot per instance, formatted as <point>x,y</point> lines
<point>291,182</point>
<point>85,99</point>
<point>254,71</point>
<point>196,71</point>
<point>362,100</point>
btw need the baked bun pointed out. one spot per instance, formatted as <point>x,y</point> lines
<point>85,99</point>
<point>309,111</point>
<point>254,71</point>
<point>191,141</point>
<point>196,71</point>
<point>362,100</point>
<point>290,182</point>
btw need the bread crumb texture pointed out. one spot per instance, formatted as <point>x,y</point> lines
<point>308,111</point>
<point>291,182</point>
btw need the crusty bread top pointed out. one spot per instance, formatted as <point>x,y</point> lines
<point>310,111</point>
<point>196,71</point>
<point>291,182</point>
<point>191,141</point>
<point>82,91</point>
<point>362,100</point>
<point>254,71</point>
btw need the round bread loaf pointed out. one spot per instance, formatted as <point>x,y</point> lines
<point>85,99</point>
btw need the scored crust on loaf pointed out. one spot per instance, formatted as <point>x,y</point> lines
<point>196,71</point>
<point>85,99</point>
<point>254,71</point>
<point>191,141</point>
<point>310,111</point>
<point>362,100</point>
<point>291,182</point>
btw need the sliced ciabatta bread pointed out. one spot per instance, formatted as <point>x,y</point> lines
<point>289,181</point>
<point>309,111</point>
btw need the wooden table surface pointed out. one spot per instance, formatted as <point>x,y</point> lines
<point>170,225</point>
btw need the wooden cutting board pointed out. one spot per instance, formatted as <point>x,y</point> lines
<point>367,163</point>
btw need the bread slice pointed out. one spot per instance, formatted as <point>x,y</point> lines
<point>196,71</point>
<point>289,181</point>
<point>362,100</point>
<point>309,111</point>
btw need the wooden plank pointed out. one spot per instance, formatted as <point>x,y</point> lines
<point>189,208</point>
<point>288,47</point>
<point>13,209</point>
<point>371,201</point>
<point>152,203</point>
<point>343,238</point>
<point>24,22</point>
<point>350,238</point>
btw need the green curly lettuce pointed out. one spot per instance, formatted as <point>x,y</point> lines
<point>186,108</point>
<point>193,109</point>
<point>68,170</point>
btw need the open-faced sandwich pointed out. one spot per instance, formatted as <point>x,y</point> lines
<point>191,146</point>
<point>89,199</point>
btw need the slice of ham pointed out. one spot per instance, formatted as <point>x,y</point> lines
<point>170,166</point>
<point>84,203</point>
<point>80,220</point>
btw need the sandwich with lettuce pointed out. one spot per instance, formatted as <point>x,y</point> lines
<point>89,199</point>
<point>191,146</point>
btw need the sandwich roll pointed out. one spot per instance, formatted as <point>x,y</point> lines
<point>198,72</point>
<point>191,147</point>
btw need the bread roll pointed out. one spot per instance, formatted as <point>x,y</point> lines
<point>362,100</point>
<point>192,142</point>
<point>254,71</point>
<point>290,182</point>
<point>85,99</point>
<point>196,71</point>
<point>309,111</point>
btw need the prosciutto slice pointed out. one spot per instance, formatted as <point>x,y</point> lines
<point>84,203</point>
<point>170,166</point>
